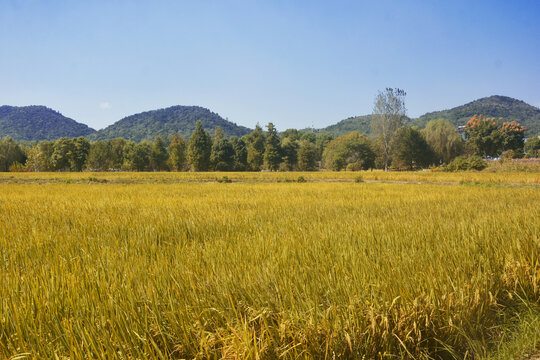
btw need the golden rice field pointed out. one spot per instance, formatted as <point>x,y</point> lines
<point>172,266</point>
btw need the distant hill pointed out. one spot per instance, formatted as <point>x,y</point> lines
<point>164,122</point>
<point>494,106</point>
<point>38,123</point>
<point>361,124</point>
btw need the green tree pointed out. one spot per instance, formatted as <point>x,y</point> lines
<point>80,147</point>
<point>99,156</point>
<point>117,153</point>
<point>444,139</point>
<point>307,156</point>
<point>177,153</point>
<point>272,152</point>
<point>222,155</point>
<point>321,140</point>
<point>158,155</point>
<point>11,153</point>
<point>532,147</point>
<point>240,154</point>
<point>388,112</point>
<point>137,156</point>
<point>61,155</point>
<point>410,150</point>
<point>483,136</point>
<point>289,148</point>
<point>46,150</point>
<point>199,149</point>
<point>255,148</point>
<point>352,151</point>
<point>513,137</point>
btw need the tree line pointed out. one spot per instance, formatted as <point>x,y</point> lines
<point>395,146</point>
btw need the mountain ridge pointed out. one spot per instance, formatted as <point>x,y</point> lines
<point>38,122</point>
<point>179,119</point>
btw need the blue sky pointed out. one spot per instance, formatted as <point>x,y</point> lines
<point>293,63</point>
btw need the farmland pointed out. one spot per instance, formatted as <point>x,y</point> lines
<point>343,265</point>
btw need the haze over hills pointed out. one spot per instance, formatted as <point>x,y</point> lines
<point>164,122</point>
<point>35,122</point>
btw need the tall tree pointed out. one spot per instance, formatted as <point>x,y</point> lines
<point>137,156</point>
<point>99,156</point>
<point>222,155</point>
<point>117,153</point>
<point>240,154</point>
<point>410,150</point>
<point>307,156</point>
<point>444,139</point>
<point>272,152</point>
<point>61,155</point>
<point>388,113</point>
<point>177,153</point>
<point>289,148</point>
<point>159,155</point>
<point>80,147</point>
<point>513,136</point>
<point>255,148</point>
<point>199,149</point>
<point>483,136</point>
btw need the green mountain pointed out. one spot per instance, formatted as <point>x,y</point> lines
<point>163,122</point>
<point>494,106</point>
<point>355,123</point>
<point>38,123</point>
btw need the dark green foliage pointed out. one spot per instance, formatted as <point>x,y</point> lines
<point>240,154</point>
<point>159,155</point>
<point>137,156</point>
<point>409,150</point>
<point>199,149</point>
<point>61,154</point>
<point>79,152</point>
<point>272,152</point>
<point>352,152</point>
<point>177,153</point>
<point>34,123</point>
<point>255,148</point>
<point>165,122</point>
<point>494,106</point>
<point>289,149</point>
<point>462,163</point>
<point>222,155</point>
<point>307,156</point>
<point>11,153</point>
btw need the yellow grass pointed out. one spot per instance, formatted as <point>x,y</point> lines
<point>324,269</point>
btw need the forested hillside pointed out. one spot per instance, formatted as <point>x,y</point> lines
<point>38,123</point>
<point>494,106</point>
<point>164,122</point>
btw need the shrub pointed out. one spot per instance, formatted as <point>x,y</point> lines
<point>462,163</point>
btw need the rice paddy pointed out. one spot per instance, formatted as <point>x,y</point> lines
<point>163,265</point>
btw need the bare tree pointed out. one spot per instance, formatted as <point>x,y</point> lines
<point>388,112</point>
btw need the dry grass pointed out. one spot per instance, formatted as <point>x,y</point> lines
<point>264,270</point>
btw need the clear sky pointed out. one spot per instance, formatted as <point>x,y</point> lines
<point>295,63</point>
